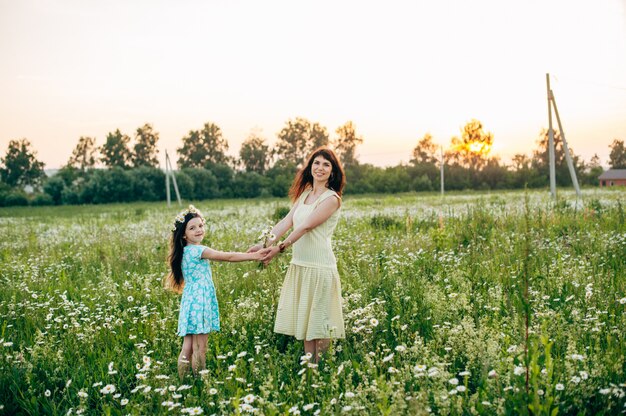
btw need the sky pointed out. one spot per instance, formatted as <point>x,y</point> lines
<point>396,69</point>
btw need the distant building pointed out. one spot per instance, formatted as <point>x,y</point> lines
<point>613,177</point>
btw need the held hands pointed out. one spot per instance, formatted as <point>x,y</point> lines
<point>268,254</point>
<point>255,248</point>
<point>260,254</point>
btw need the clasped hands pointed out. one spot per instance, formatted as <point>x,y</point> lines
<point>267,253</point>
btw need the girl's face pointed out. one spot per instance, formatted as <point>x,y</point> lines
<point>194,233</point>
<point>321,169</point>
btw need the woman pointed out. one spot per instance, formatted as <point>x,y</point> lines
<point>310,300</point>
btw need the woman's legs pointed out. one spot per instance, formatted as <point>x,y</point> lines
<point>321,346</point>
<point>198,355</point>
<point>309,348</point>
<point>185,357</point>
<point>316,347</point>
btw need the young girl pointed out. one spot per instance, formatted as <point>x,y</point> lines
<point>191,275</point>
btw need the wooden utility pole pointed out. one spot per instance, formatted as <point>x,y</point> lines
<point>568,157</point>
<point>441,169</point>
<point>170,172</point>
<point>551,143</point>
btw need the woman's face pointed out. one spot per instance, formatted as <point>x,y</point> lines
<point>321,169</point>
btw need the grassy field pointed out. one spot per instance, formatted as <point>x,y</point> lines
<point>496,303</point>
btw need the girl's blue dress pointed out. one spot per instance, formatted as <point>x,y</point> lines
<point>199,312</point>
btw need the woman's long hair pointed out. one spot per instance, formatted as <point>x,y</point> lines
<point>175,280</point>
<point>304,179</point>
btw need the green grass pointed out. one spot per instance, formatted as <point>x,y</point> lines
<point>435,306</point>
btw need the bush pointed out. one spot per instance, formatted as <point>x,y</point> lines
<point>204,184</point>
<point>15,198</point>
<point>42,200</point>
<point>54,187</point>
<point>148,184</point>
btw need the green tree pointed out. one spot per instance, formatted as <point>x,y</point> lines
<point>472,149</point>
<point>593,171</point>
<point>115,151</point>
<point>298,139</point>
<point>425,151</point>
<point>84,154</point>
<point>203,147</point>
<point>254,154</point>
<point>346,143</point>
<point>145,150</point>
<point>21,166</point>
<point>617,157</point>
<point>541,161</point>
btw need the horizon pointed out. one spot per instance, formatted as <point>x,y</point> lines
<point>397,72</point>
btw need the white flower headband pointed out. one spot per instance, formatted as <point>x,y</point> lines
<point>180,218</point>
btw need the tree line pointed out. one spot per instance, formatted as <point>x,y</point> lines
<point>131,170</point>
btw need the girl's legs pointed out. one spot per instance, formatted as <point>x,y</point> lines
<point>198,355</point>
<point>185,357</point>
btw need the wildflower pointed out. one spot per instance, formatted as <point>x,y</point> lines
<point>294,410</point>
<point>232,368</point>
<point>146,359</point>
<point>82,394</point>
<point>419,367</point>
<point>124,402</point>
<point>130,299</point>
<point>308,406</point>
<point>511,349</point>
<point>195,411</point>
<point>519,370</point>
<point>540,392</point>
<point>212,391</point>
<point>68,382</point>
<point>374,322</point>
<point>584,375</point>
<point>605,391</point>
<point>47,393</point>
<point>464,373</point>
<point>333,401</point>
<point>492,374</point>
<point>576,379</point>
<point>7,344</point>
<point>461,389</point>
<point>249,398</point>
<point>108,389</point>
<point>388,358</point>
<point>349,394</point>
<point>242,354</point>
<point>577,357</point>
<point>622,301</point>
<point>454,381</point>
<point>340,369</point>
<point>346,408</point>
<point>559,387</point>
<point>400,348</point>
<point>392,370</point>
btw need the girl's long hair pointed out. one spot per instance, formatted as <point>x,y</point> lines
<point>174,280</point>
<point>304,179</point>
